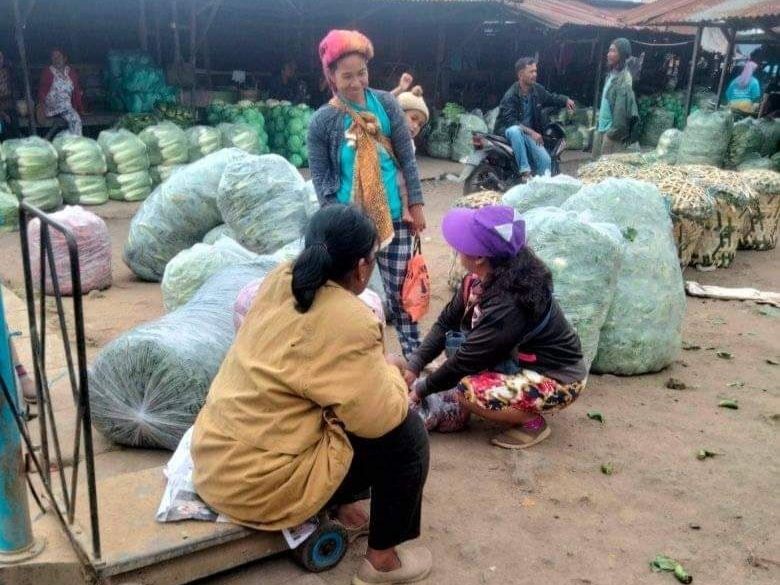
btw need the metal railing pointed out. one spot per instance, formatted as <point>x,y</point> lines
<point>47,458</point>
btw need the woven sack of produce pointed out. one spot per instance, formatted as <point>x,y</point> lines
<point>746,142</point>
<point>735,204</point>
<point>94,251</point>
<point>160,174</point>
<point>9,209</point>
<point>541,192</point>
<point>30,159</point>
<point>456,271</point>
<point>439,142</point>
<point>202,141</point>
<point>706,138</point>
<point>124,151</point>
<point>83,189</point>
<point>177,215</point>
<point>240,136</point>
<point>760,162</point>
<point>190,268</point>
<point>462,144</point>
<point>221,230</point>
<point>584,258</point>
<point>129,186</point>
<point>669,146</point>
<point>597,171</point>
<point>147,386</point>
<point>770,130</point>
<point>761,233</point>
<point>45,194</point>
<point>658,121</point>
<point>643,329</point>
<point>263,199</point>
<point>166,144</point>
<point>79,155</point>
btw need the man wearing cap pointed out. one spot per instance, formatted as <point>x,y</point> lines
<point>511,353</point>
<point>618,113</point>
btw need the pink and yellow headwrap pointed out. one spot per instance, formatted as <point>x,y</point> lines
<point>338,43</point>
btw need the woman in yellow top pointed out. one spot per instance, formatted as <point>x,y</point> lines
<point>307,413</point>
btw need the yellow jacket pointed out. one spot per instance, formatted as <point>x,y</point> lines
<point>269,446</point>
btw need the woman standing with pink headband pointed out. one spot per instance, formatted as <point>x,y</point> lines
<point>358,142</point>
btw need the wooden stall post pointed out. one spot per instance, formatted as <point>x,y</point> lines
<point>692,72</point>
<point>19,24</point>
<point>731,35</point>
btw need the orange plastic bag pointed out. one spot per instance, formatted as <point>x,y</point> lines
<point>416,291</point>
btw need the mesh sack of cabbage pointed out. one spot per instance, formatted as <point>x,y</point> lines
<point>541,192</point>
<point>94,251</point>
<point>241,136</point>
<point>83,189</point>
<point>161,173</point>
<point>9,209</point>
<point>770,129</point>
<point>746,142</point>
<point>761,231</point>
<point>221,230</point>
<point>166,144</point>
<point>45,194</point>
<point>263,200</point>
<point>79,155</point>
<point>462,144</point>
<point>584,258</point>
<point>190,268</point>
<point>658,121</point>
<point>669,146</point>
<point>147,386</point>
<point>129,186</point>
<point>439,141</point>
<point>177,215</point>
<point>125,152</point>
<point>30,159</point>
<point>643,329</point>
<point>202,141</point>
<point>705,139</point>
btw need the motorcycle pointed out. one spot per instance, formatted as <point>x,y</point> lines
<point>493,167</point>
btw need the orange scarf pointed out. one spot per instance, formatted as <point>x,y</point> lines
<point>368,190</point>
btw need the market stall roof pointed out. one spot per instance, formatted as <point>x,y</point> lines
<point>560,13</point>
<point>703,12</point>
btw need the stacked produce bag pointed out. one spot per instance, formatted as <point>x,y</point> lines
<point>249,116</point>
<point>241,136</point>
<point>202,141</point>
<point>168,149</point>
<point>135,84</point>
<point>706,138</point>
<point>31,164</point>
<point>444,127</point>
<point>128,178</point>
<point>82,167</point>
<point>9,203</point>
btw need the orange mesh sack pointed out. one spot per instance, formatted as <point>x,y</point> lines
<point>416,292</point>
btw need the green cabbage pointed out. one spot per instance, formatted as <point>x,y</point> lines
<point>160,174</point>
<point>79,155</point>
<point>44,194</point>
<point>203,140</point>
<point>30,159</point>
<point>166,144</point>
<point>83,189</point>
<point>240,136</point>
<point>125,152</point>
<point>129,186</point>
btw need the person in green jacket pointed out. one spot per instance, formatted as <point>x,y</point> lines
<point>618,113</point>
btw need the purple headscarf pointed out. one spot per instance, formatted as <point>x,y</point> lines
<point>747,74</point>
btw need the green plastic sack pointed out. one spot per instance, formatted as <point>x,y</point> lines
<point>240,136</point>
<point>129,186</point>
<point>263,199</point>
<point>643,330</point>
<point>30,159</point>
<point>166,144</point>
<point>125,152</point>
<point>160,174</point>
<point>439,143</point>
<point>658,121</point>
<point>83,189</point>
<point>9,209</point>
<point>462,145</point>
<point>218,232</point>
<point>203,140</point>
<point>541,192</point>
<point>706,138</point>
<point>746,142</point>
<point>79,155</point>
<point>45,194</point>
<point>584,258</point>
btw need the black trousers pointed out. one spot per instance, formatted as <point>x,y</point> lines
<point>392,470</point>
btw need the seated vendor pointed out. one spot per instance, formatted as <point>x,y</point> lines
<point>308,414</point>
<point>512,355</point>
<point>744,92</point>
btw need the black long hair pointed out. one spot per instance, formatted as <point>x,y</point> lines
<point>523,277</point>
<point>337,237</point>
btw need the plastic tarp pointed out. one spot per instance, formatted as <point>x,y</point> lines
<point>541,192</point>
<point>166,144</point>
<point>129,186</point>
<point>30,159</point>
<point>45,194</point>
<point>147,386</point>
<point>263,200</point>
<point>124,151</point>
<point>79,155</point>
<point>83,189</point>
<point>94,251</point>
<point>643,330</point>
<point>705,139</point>
<point>9,209</point>
<point>177,215</point>
<point>202,141</point>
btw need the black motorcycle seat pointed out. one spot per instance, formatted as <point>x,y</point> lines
<point>498,138</point>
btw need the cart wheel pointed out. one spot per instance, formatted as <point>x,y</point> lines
<point>324,549</point>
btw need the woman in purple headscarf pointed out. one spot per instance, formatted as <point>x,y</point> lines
<point>745,88</point>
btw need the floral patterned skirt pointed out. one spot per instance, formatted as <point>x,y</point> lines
<point>526,390</point>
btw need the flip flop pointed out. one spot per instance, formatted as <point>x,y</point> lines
<point>520,438</point>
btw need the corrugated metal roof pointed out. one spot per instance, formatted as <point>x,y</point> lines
<point>558,13</point>
<point>663,12</point>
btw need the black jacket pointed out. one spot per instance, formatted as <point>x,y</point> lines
<point>511,109</point>
<point>495,339</point>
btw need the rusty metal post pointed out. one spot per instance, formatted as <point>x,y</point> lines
<point>692,73</point>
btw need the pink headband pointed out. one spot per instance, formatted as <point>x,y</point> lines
<point>338,43</point>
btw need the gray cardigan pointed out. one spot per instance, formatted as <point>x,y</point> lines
<point>326,134</point>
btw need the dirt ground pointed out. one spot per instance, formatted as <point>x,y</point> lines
<point>549,515</point>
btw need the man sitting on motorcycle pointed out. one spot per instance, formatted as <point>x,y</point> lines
<point>520,118</point>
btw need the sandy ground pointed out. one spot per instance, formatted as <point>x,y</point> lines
<point>549,515</point>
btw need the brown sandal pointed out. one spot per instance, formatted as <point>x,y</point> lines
<point>520,438</point>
